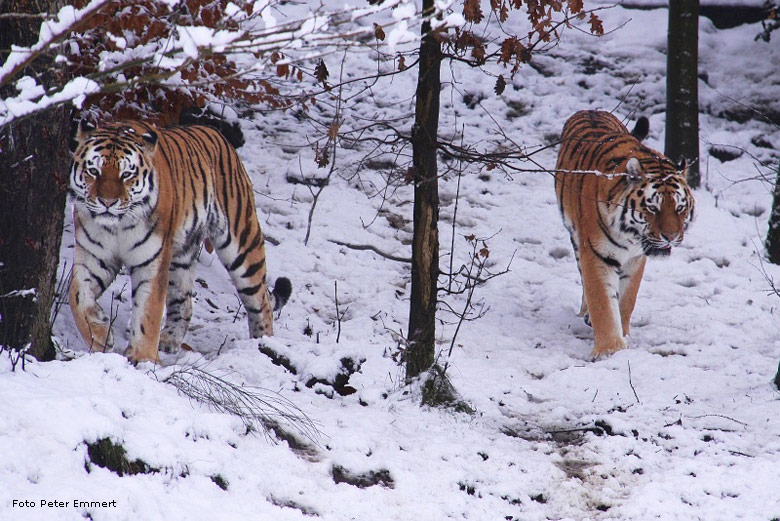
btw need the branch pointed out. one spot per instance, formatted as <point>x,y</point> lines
<point>364,247</point>
<point>19,59</point>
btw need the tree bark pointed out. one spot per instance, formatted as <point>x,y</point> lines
<point>425,243</point>
<point>777,378</point>
<point>773,240</point>
<point>34,162</point>
<point>773,235</point>
<point>682,86</point>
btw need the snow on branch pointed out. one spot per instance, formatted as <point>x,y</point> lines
<point>117,58</point>
<point>51,32</point>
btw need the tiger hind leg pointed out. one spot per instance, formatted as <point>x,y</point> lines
<point>584,302</point>
<point>178,304</point>
<point>244,258</point>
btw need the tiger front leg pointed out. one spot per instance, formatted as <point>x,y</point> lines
<point>91,320</point>
<point>600,282</point>
<point>91,277</point>
<point>150,287</point>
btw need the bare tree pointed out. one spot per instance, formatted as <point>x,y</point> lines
<point>773,242</point>
<point>682,87</point>
<point>773,234</point>
<point>425,242</point>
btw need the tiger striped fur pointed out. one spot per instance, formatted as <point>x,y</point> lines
<point>147,199</point>
<point>615,222</point>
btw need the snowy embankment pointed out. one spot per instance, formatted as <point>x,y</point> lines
<point>683,425</point>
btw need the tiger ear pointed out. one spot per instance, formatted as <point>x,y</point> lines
<point>150,139</point>
<point>80,132</point>
<point>634,169</point>
<point>641,128</point>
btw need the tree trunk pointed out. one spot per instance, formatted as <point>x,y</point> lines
<point>777,378</point>
<point>425,243</point>
<point>682,87</point>
<point>773,240</point>
<point>773,235</point>
<point>33,180</point>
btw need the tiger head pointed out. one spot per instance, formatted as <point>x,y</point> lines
<point>659,206</point>
<point>112,173</point>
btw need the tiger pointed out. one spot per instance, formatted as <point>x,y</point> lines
<point>621,203</point>
<point>146,199</point>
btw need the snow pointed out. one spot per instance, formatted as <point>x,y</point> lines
<point>311,27</point>
<point>51,30</point>
<point>683,425</point>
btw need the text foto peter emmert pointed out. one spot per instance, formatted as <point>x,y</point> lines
<point>76,503</point>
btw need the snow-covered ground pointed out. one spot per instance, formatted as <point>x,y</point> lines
<point>683,425</point>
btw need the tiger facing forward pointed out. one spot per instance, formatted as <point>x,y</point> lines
<point>147,198</point>
<point>616,222</point>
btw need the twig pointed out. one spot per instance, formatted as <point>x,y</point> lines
<point>364,247</point>
<point>219,350</point>
<point>335,123</point>
<point>238,310</point>
<point>631,383</point>
<point>719,416</point>
<point>338,316</point>
<point>60,291</point>
<point>113,315</point>
<point>455,211</point>
<point>254,406</point>
<point>472,281</point>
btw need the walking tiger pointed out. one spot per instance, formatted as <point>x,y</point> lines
<point>147,199</point>
<point>616,221</point>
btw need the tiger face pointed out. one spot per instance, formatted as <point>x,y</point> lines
<point>112,174</point>
<point>659,209</point>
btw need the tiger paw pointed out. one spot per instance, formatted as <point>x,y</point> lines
<point>102,338</point>
<point>136,356</point>
<point>169,349</point>
<point>607,347</point>
<point>168,344</point>
<point>101,347</point>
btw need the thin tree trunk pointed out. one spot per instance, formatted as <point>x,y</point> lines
<point>682,86</point>
<point>773,240</point>
<point>773,235</point>
<point>777,378</point>
<point>425,243</point>
<point>33,180</point>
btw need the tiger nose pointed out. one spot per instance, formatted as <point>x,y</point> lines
<point>108,202</point>
<point>672,238</point>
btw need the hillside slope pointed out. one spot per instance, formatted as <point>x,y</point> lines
<point>682,425</point>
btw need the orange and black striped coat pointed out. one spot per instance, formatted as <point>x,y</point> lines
<point>147,199</point>
<point>621,202</point>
